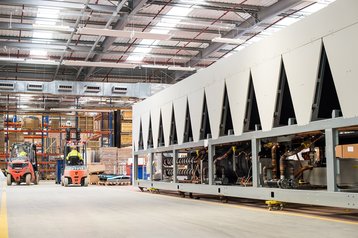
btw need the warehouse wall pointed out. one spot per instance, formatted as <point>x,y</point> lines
<point>298,47</point>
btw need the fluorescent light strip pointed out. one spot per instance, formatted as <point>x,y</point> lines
<point>51,27</point>
<point>11,59</point>
<point>228,40</point>
<point>178,68</point>
<point>30,61</point>
<point>98,64</point>
<point>78,110</point>
<point>154,66</point>
<point>44,62</point>
<point>123,34</point>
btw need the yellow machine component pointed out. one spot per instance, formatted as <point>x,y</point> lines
<point>274,205</point>
<point>153,190</point>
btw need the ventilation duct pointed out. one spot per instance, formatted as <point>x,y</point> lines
<point>7,86</point>
<point>120,90</point>
<point>92,89</point>
<point>65,88</point>
<point>35,87</point>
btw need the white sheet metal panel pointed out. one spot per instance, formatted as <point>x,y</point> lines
<point>302,66</point>
<point>167,118</point>
<point>145,128</point>
<point>136,123</point>
<point>214,101</point>
<point>237,87</point>
<point>265,79</point>
<point>155,116</point>
<point>179,113</point>
<point>196,100</point>
<point>342,52</point>
<point>300,34</point>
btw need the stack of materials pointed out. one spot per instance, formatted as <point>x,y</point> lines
<point>108,157</point>
<point>85,123</point>
<point>94,170</point>
<point>31,123</point>
<point>55,124</point>
<point>126,128</point>
<point>93,144</point>
<point>14,137</point>
<point>122,156</point>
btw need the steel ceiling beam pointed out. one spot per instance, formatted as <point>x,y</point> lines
<point>81,49</point>
<point>59,4</point>
<point>79,18</point>
<point>109,22</point>
<point>32,76</point>
<point>262,15</point>
<point>136,5</point>
<point>29,27</point>
<point>216,6</point>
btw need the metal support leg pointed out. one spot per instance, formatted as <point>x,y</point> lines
<point>151,166</point>
<point>175,166</point>
<point>331,142</point>
<point>135,169</point>
<point>255,146</point>
<point>211,153</point>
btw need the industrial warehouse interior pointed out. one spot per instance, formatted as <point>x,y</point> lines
<point>178,118</point>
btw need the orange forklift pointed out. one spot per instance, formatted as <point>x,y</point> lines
<point>75,169</point>
<point>22,165</point>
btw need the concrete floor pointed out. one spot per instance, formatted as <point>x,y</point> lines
<point>49,210</point>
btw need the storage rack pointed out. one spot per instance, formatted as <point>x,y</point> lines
<point>46,159</point>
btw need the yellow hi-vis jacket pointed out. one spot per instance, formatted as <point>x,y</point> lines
<point>74,152</point>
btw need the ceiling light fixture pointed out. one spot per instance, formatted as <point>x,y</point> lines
<point>228,40</point>
<point>51,27</point>
<point>30,61</point>
<point>99,64</point>
<point>78,110</point>
<point>11,59</point>
<point>154,66</point>
<point>38,61</point>
<point>123,34</point>
<point>179,68</point>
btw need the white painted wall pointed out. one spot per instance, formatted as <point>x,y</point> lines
<point>298,45</point>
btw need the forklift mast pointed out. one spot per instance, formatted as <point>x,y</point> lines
<point>72,140</point>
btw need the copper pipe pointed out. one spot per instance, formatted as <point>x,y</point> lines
<point>224,156</point>
<point>282,165</point>
<point>274,160</point>
<point>301,170</point>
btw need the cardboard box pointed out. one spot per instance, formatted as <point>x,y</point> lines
<point>85,123</point>
<point>127,115</point>
<point>96,168</point>
<point>15,137</point>
<point>93,144</point>
<point>350,151</point>
<point>31,123</point>
<point>126,139</point>
<point>55,124</point>
<point>126,127</point>
<point>93,179</point>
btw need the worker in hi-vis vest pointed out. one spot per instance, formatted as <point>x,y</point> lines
<point>74,153</point>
